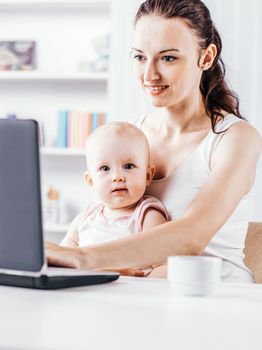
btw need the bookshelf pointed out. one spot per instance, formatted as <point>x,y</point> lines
<point>49,76</point>
<point>54,5</point>
<point>64,32</point>
<point>62,152</point>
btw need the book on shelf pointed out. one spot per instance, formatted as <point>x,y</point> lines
<point>75,126</point>
<point>61,140</point>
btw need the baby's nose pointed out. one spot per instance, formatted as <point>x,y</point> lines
<point>118,177</point>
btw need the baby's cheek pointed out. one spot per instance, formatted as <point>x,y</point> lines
<point>140,187</point>
<point>101,188</point>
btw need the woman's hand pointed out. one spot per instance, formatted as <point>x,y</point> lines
<point>129,271</point>
<point>62,256</point>
<point>159,271</point>
<point>70,257</point>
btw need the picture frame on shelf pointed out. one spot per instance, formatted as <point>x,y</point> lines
<point>17,55</point>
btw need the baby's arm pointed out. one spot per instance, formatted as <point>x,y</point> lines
<point>152,218</point>
<point>72,236</point>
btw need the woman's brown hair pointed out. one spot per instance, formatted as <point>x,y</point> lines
<point>217,95</point>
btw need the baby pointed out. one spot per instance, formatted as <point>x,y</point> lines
<point>118,170</point>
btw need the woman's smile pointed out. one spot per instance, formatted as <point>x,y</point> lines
<point>156,90</point>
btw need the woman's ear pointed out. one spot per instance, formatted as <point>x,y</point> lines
<point>207,58</point>
<point>151,169</point>
<point>88,179</point>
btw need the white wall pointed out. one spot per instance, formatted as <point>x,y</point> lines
<point>240,25</point>
<point>130,102</point>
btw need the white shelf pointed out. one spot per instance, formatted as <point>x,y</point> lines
<point>56,228</point>
<point>14,5</point>
<point>49,76</point>
<point>57,84</point>
<point>53,151</point>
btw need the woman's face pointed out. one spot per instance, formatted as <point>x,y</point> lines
<point>166,56</point>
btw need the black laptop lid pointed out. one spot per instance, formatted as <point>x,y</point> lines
<point>21,236</point>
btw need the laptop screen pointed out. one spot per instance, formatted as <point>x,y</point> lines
<point>21,236</point>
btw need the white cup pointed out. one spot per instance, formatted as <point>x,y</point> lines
<point>194,275</point>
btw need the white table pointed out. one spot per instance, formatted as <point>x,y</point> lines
<point>131,313</point>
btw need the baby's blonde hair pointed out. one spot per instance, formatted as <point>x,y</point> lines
<point>120,129</point>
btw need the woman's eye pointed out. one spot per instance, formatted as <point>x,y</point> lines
<point>139,58</point>
<point>129,166</point>
<point>168,58</point>
<point>104,168</point>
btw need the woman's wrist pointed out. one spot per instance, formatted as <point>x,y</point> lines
<point>86,258</point>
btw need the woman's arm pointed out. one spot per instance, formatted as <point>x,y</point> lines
<point>231,177</point>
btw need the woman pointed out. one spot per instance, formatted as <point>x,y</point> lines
<point>204,151</point>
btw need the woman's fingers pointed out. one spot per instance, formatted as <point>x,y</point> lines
<point>59,256</point>
<point>159,271</point>
<point>130,271</point>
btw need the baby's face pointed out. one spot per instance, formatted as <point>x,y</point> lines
<point>118,169</point>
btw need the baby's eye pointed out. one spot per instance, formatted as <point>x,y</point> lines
<point>168,58</point>
<point>129,166</point>
<point>104,168</point>
<point>139,58</point>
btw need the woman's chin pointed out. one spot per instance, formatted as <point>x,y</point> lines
<point>157,102</point>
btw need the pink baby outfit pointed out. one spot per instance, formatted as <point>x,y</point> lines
<point>96,228</point>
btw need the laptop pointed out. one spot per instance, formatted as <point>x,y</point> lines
<point>22,258</point>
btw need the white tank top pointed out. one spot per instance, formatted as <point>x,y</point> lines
<point>178,190</point>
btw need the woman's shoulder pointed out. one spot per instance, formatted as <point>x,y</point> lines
<point>241,136</point>
<point>243,130</point>
<point>233,126</point>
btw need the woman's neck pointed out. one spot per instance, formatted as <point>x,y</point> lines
<point>187,116</point>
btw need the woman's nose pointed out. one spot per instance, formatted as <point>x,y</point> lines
<point>150,73</point>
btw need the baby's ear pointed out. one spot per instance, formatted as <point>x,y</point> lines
<point>88,179</point>
<point>151,169</point>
